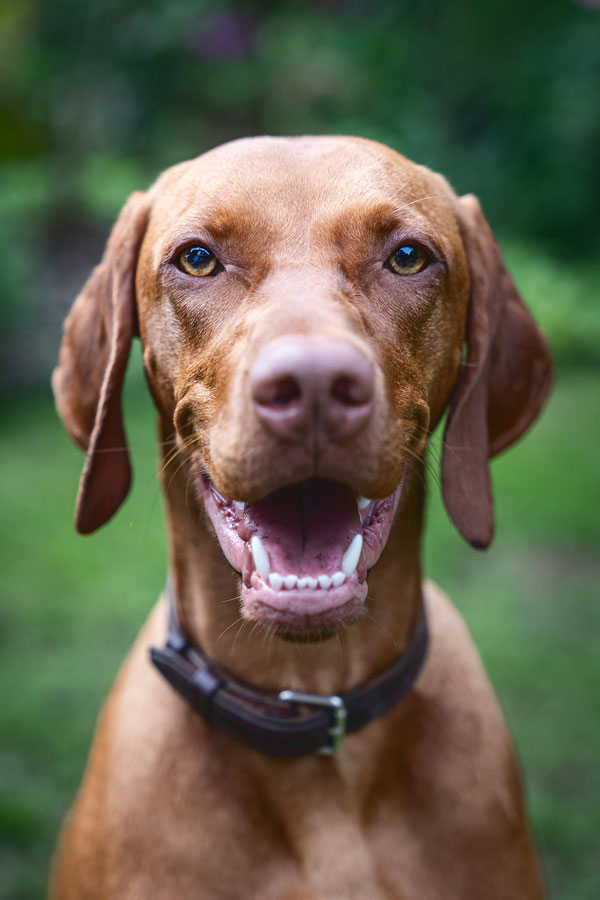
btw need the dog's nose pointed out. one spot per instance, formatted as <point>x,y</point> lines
<point>304,387</point>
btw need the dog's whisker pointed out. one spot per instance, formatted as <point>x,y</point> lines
<point>418,200</point>
<point>176,472</point>
<point>383,628</point>
<point>195,186</point>
<point>255,627</point>
<point>225,630</point>
<point>240,631</point>
<point>340,644</point>
<point>168,459</point>
<point>188,484</point>
<point>177,450</point>
<point>410,423</point>
<point>270,647</point>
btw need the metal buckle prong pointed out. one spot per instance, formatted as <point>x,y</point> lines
<point>332,702</point>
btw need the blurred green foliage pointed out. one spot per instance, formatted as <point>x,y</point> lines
<point>502,97</point>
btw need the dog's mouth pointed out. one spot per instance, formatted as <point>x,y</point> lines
<point>303,553</point>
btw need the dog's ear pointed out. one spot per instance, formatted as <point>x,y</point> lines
<point>502,386</point>
<point>88,379</point>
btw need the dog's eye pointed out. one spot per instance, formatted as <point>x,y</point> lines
<point>197,260</point>
<point>408,259</point>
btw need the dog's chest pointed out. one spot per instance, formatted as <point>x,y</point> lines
<point>337,858</point>
<point>308,839</point>
<point>297,839</point>
<point>207,818</point>
<point>327,856</point>
<point>333,859</point>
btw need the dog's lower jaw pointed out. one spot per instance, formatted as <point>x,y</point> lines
<point>303,553</point>
<point>371,634</point>
<point>306,629</point>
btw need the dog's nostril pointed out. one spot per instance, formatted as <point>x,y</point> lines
<point>303,388</point>
<point>350,391</point>
<point>278,392</point>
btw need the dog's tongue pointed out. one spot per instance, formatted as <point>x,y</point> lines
<point>307,527</point>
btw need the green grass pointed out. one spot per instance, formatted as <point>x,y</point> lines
<point>563,299</point>
<point>72,605</point>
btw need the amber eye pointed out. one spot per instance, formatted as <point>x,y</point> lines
<point>197,260</point>
<point>408,259</point>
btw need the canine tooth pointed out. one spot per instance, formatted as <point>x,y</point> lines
<point>362,502</point>
<point>338,578</point>
<point>276,581</point>
<point>302,583</point>
<point>260,557</point>
<point>324,581</point>
<point>239,504</point>
<point>311,583</point>
<point>352,555</point>
<point>290,581</point>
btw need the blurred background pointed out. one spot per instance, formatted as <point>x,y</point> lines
<point>95,99</point>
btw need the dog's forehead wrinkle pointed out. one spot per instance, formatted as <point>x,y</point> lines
<point>290,232</point>
<point>275,174</point>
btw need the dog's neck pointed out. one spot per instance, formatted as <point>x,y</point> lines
<point>208,607</point>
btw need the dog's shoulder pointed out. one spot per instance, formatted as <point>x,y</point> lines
<point>454,673</point>
<point>462,716</point>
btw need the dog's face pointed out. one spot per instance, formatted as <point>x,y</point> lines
<point>303,305</point>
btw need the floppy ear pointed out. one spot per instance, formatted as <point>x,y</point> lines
<point>88,379</point>
<point>502,385</point>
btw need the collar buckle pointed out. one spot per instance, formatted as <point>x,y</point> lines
<point>339,715</point>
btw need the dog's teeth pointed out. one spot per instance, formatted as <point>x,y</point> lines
<point>352,555</point>
<point>239,504</point>
<point>362,502</point>
<point>307,582</point>
<point>262,565</point>
<point>260,557</point>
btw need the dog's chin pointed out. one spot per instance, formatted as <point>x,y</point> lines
<point>305,616</point>
<point>303,553</point>
<point>311,634</point>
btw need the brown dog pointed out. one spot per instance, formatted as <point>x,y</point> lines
<point>303,304</point>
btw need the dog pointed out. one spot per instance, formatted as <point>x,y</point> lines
<point>309,308</point>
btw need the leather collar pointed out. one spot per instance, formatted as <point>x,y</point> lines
<point>291,723</point>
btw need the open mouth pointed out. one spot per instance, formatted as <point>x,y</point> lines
<point>303,553</point>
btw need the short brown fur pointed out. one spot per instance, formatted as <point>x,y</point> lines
<point>426,801</point>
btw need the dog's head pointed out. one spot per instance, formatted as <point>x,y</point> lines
<point>308,309</point>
